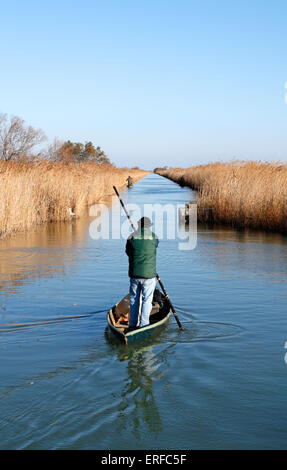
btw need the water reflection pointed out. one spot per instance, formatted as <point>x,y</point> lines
<point>139,407</point>
<point>43,252</point>
<point>227,234</point>
<point>248,254</point>
<point>48,251</point>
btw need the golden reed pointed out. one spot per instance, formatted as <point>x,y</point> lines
<point>241,194</point>
<point>41,191</point>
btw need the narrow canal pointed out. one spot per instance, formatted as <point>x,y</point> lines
<point>219,384</point>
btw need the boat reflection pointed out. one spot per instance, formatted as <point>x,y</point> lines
<point>139,405</point>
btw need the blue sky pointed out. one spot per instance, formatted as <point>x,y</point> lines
<point>153,83</point>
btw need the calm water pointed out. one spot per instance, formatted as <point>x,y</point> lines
<point>220,384</point>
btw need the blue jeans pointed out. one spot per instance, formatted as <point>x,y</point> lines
<point>145,287</point>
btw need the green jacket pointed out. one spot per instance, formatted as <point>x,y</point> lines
<point>141,249</point>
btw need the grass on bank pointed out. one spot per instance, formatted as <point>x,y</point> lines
<point>41,191</point>
<point>241,194</point>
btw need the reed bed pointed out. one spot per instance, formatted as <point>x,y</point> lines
<point>241,194</point>
<point>43,191</point>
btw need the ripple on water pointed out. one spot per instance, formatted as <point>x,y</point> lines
<point>199,331</point>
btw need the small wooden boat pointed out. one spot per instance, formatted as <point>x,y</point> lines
<point>118,316</point>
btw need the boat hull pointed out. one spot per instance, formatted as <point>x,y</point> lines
<point>140,334</point>
<point>158,320</point>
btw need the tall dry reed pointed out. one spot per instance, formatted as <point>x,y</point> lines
<point>242,194</point>
<point>41,191</point>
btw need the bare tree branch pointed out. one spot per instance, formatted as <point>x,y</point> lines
<point>16,139</point>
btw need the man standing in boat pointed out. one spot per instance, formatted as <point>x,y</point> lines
<point>129,181</point>
<point>141,249</point>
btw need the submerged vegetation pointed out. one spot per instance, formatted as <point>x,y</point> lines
<point>241,194</point>
<point>53,184</point>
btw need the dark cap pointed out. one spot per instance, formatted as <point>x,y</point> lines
<point>145,222</point>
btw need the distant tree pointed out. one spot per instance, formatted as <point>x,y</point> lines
<point>16,139</point>
<point>156,170</point>
<point>102,157</point>
<point>54,150</point>
<point>77,152</point>
<point>90,152</point>
<point>67,150</point>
